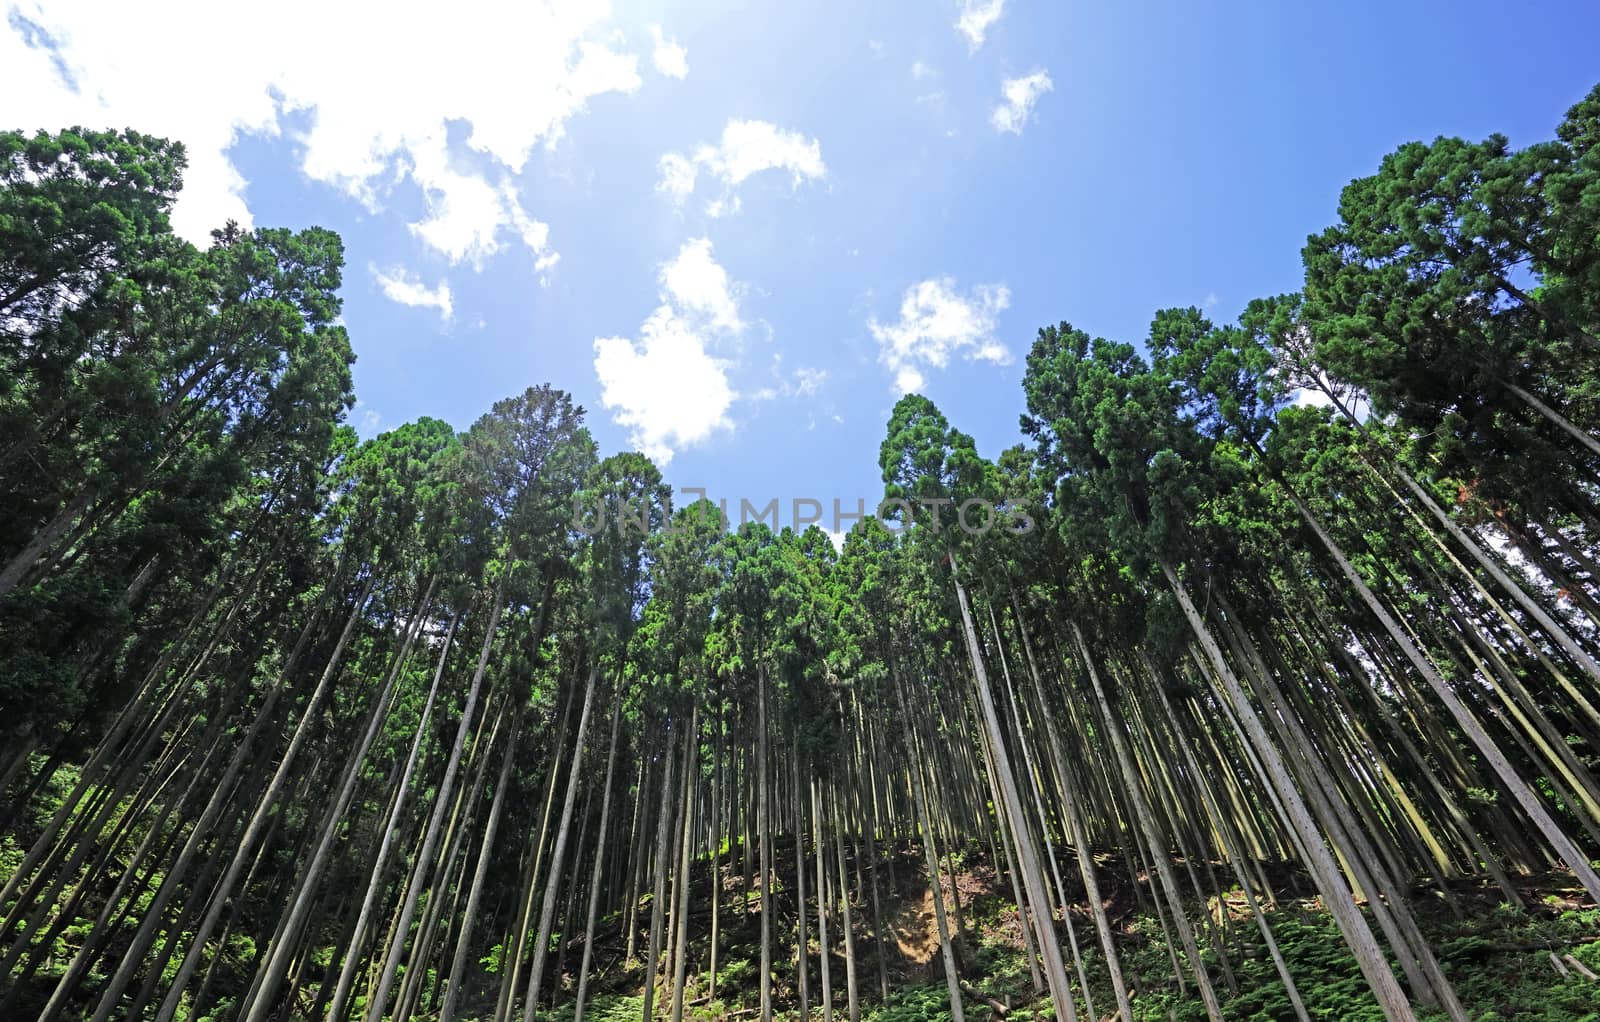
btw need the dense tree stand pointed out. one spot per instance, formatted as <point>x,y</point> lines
<point>1261,680</point>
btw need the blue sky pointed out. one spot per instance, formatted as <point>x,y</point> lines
<point>884,195</point>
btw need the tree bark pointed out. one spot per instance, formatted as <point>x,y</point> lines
<point>1396,1007</point>
<point>541,944</point>
<point>136,950</point>
<point>380,998</point>
<point>599,861</point>
<point>1033,880</point>
<point>663,849</point>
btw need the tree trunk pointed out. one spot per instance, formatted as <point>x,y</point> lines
<point>764,808</point>
<point>469,918</point>
<point>1234,856</point>
<point>17,568</point>
<point>1324,871</point>
<point>844,907</point>
<point>822,903</point>
<point>541,944</point>
<point>599,861</point>
<point>929,850</point>
<point>1077,834</point>
<point>663,849</point>
<point>1033,879</point>
<point>802,938</point>
<point>1144,820</point>
<point>1520,791</point>
<point>135,953</point>
<point>278,957</point>
<point>680,939</point>
<point>352,955</point>
<point>512,976</point>
<point>380,998</point>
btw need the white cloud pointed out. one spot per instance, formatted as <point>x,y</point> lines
<point>401,286</point>
<point>803,382</point>
<point>809,381</point>
<point>1020,96</point>
<point>725,206</point>
<point>467,215</point>
<point>669,389</point>
<point>694,282</point>
<point>919,70</point>
<point>977,16</point>
<point>370,419</point>
<point>677,176</point>
<point>377,88</point>
<point>544,264</point>
<point>936,321</point>
<point>747,148</point>
<point>669,58</point>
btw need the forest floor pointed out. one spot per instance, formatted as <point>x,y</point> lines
<point>1538,963</point>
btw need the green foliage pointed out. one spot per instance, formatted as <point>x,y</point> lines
<point>918,1004</point>
<point>607,1008</point>
<point>736,974</point>
<point>1495,960</point>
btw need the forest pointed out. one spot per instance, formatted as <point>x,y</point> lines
<point>1286,707</point>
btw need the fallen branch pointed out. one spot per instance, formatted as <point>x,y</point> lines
<point>1545,945</point>
<point>1000,1008</point>
<point>1578,966</point>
